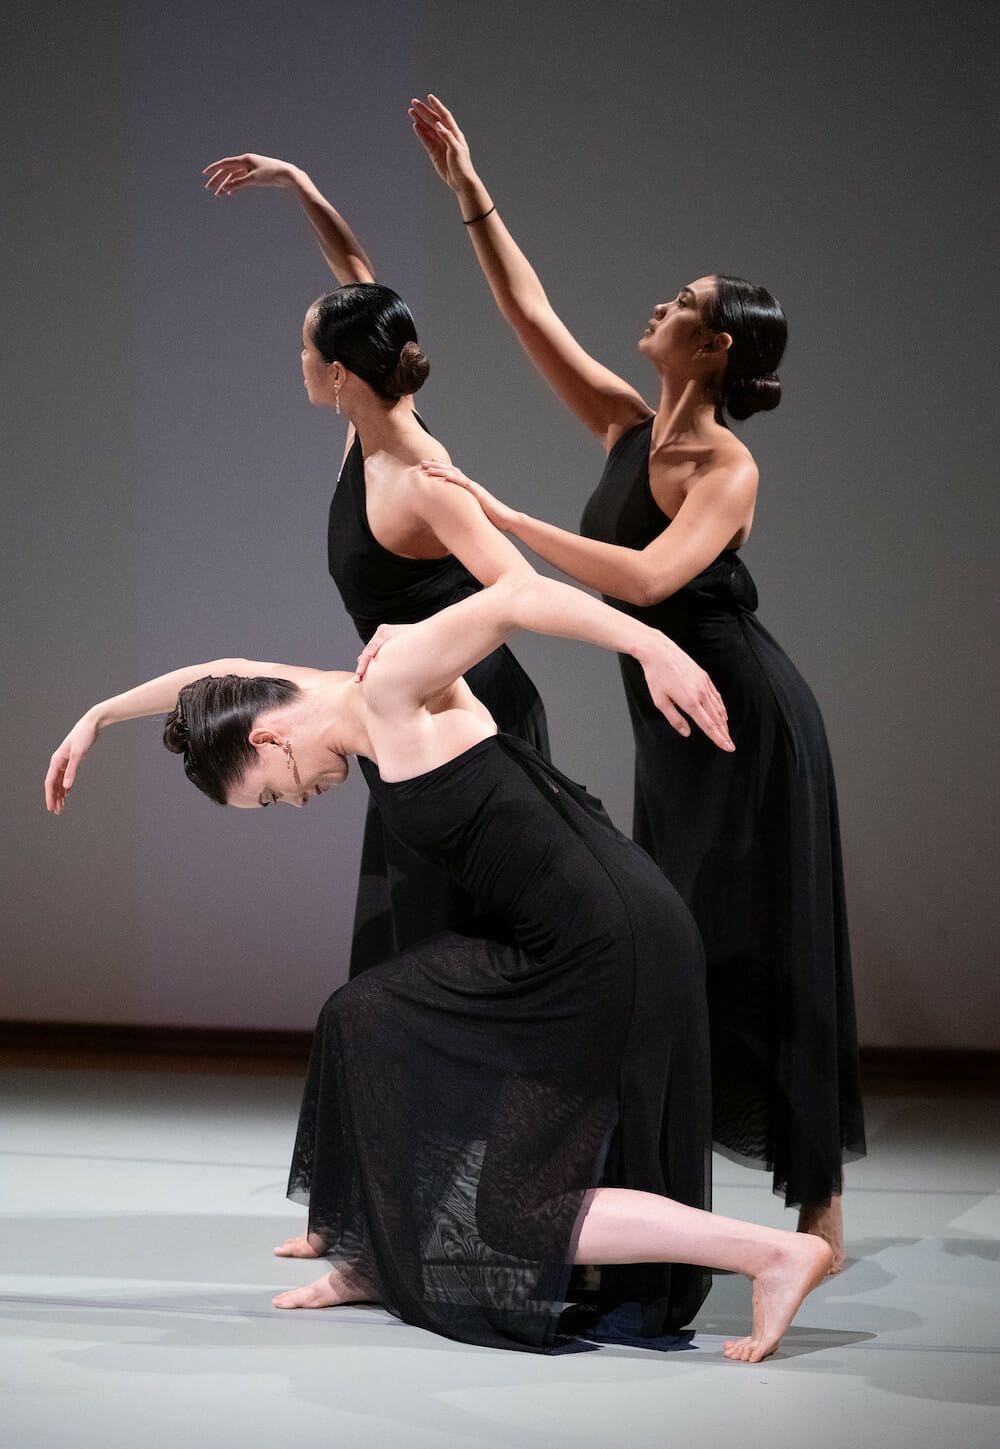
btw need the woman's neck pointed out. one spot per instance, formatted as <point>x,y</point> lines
<point>382,429</point>
<point>335,707</point>
<point>686,408</point>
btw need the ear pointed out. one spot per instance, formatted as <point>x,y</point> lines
<point>719,342</point>
<point>259,737</point>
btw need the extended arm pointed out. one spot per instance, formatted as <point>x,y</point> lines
<point>419,661</point>
<point>345,255</point>
<point>705,524</point>
<point>156,696</point>
<point>604,402</point>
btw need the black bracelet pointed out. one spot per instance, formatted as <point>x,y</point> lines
<point>473,219</point>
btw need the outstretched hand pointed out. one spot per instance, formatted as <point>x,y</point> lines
<point>64,764</point>
<point>498,513</point>
<point>676,683</point>
<point>232,173</point>
<point>444,143</point>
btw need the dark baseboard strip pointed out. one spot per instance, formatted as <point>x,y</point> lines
<point>155,1042</point>
<point>929,1064</point>
<point>221,1044</point>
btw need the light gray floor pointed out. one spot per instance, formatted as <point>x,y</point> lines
<point>138,1213</point>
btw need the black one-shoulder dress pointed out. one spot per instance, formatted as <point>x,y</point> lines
<point>463,1097</point>
<point>751,841</point>
<point>401,899</point>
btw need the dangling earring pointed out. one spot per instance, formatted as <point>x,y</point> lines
<point>336,396</point>
<point>287,747</point>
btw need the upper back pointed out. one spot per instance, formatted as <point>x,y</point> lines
<point>377,585</point>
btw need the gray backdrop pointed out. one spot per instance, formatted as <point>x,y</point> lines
<point>167,481</point>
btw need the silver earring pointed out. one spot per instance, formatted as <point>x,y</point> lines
<point>287,747</point>
<point>336,396</point>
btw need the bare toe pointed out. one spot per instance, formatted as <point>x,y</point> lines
<point>296,1248</point>
<point>323,1293</point>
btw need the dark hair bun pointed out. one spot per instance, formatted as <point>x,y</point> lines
<point>410,372</point>
<point>368,327</point>
<point>745,396</point>
<point>175,731</point>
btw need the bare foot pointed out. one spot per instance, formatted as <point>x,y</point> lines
<point>339,1286</point>
<point>797,1266</point>
<point>297,1248</point>
<point>826,1221</point>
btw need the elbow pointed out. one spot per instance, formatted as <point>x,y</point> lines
<point>640,591</point>
<point>518,591</point>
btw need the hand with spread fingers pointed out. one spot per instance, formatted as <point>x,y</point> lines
<point>438,131</point>
<point>232,173</point>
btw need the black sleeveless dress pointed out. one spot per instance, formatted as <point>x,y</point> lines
<point>751,841</point>
<point>401,899</point>
<point>463,1097</point>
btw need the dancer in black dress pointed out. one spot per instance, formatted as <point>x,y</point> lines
<point>482,1113</point>
<point>398,550</point>
<point>751,841</point>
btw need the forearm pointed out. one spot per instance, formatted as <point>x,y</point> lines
<point>344,254</point>
<point>158,696</point>
<point>512,279</point>
<point>619,572</point>
<point>546,606</point>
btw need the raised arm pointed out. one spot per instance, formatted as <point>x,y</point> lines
<point>419,661</point>
<point>345,255</point>
<point>711,516</point>
<point>156,696</point>
<point>603,401</point>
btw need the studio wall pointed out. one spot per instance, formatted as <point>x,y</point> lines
<point>167,482</point>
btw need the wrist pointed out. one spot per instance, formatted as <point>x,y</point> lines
<point>97,715</point>
<point>293,178</point>
<point>647,642</point>
<point>473,198</point>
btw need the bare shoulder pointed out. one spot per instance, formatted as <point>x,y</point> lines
<point>731,467</point>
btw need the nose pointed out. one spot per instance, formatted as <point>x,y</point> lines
<point>659,310</point>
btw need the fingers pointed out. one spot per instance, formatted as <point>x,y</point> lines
<point>56,784</point>
<point>447,472</point>
<point>709,714</point>
<point>715,728</point>
<point>231,173</point>
<point>443,112</point>
<point>674,717</point>
<point>225,182</point>
<point>371,649</point>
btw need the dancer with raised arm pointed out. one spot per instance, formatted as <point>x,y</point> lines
<point>482,1113</point>
<point>400,545</point>
<point>751,841</point>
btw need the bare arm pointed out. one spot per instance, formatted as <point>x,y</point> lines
<point>459,525</point>
<point>345,255</point>
<point>603,401</point>
<point>711,515</point>
<point>156,696</point>
<point>419,661</point>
